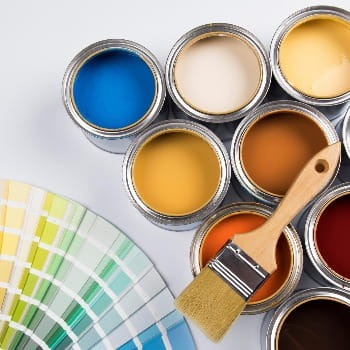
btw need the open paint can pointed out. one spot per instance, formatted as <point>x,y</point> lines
<point>345,132</point>
<point>176,173</point>
<point>311,319</point>
<point>327,238</point>
<point>310,55</point>
<point>217,72</point>
<point>343,129</point>
<point>273,143</point>
<point>113,90</point>
<point>214,233</point>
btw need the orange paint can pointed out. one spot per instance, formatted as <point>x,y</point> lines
<point>213,234</point>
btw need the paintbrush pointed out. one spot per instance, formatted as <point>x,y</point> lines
<point>220,292</point>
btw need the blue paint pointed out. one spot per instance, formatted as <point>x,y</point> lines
<point>114,89</point>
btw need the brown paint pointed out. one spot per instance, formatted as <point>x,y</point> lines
<point>277,146</point>
<point>316,325</point>
<point>221,231</point>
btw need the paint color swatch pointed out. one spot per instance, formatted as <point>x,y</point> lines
<point>70,279</point>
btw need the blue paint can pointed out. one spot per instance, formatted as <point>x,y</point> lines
<point>113,90</point>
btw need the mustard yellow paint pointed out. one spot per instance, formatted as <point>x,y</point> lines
<point>176,172</point>
<point>314,56</point>
<point>49,234</point>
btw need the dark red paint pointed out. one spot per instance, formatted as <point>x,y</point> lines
<point>333,235</point>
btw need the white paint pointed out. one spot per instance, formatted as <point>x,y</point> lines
<point>217,74</point>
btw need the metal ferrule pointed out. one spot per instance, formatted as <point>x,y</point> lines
<point>273,320</point>
<point>238,269</point>
<point>218,29</point>
<point>316,266</point>
<point>113,140</point>
<point>260,112</point>
<point>282,30</point>
<point>189,221</point>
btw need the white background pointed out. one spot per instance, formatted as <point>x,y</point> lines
<point>40,145</point>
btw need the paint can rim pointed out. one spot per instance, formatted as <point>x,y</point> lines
<point>309,238</point>
<point>286,25</point>
<point>346,132</point>
<point>94,49</point>
<point>242,34</point>
<point>237,165</point>
<point>274,319</point>
<point>183,222</point>
<point>290,234</point>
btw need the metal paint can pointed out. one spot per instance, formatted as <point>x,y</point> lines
<point>274,320</point>
<point>315,264</point>
<point>310,113</point>
<point>345,133</point>
<point>115,140</point>
<point>294,246</point>
<point>343,129</point>
<point>295,19</point>
<point>185,221</point>
<point>210,31</point>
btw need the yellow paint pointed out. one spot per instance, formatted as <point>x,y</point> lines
<point>59,207</point>
<point>176,172</point>
<point>314,57</point>
<point>4,185</point>
<point>5,274</point>
<point>14,217</point>
<point>6,268</point>
<point>18,191</point>
<point>10,244</point>
<point>50,232</point>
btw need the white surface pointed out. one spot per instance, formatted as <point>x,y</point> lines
<point>39,143</point>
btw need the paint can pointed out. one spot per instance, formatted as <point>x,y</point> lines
<point>239,217</point>
<point>203,69</point>
<point>305,36</point>
<point>333,113</point>
<point>315,318</point>
<point>176,173</point>
<point>223,130</point>
<point>270,146</point>
<point>112,90</point>
<point>325,238</point>
<point>343,130</point>
<point>345,133</point>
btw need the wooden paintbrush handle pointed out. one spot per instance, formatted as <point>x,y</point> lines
<point>260,244</point>
<point>312,179</point>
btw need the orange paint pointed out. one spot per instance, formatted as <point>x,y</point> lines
<point>225,228</point>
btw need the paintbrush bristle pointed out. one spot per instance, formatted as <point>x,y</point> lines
<point>211,303</point>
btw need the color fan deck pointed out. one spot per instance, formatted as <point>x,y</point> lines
<point>69,279</point>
